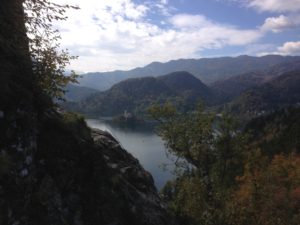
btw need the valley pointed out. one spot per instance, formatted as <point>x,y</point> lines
<point>193,119</point>
<point>246,95</point>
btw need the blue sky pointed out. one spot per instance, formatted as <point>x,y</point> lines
<point>123,34</point>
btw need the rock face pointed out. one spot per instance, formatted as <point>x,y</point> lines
<point>78,176</point>
<point>135,183</point>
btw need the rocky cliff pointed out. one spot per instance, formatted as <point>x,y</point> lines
<point>78,176</point>
<point>134,184</point>
<point>53,169</point>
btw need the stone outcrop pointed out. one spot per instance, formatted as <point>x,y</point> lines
<point>135,183</point>
<point>79,176</point>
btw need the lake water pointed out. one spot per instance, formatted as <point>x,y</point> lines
<point>142,142</point>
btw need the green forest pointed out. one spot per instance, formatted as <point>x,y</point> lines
<point>229,175</point>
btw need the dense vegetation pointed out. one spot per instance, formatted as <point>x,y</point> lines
<point>278,93</point>
<point>229,176</point>
<point>75,93</point>
<point>49,60</point>
<point>246,95</point>
<point>276,132</point>
<point>230,88</point>
<point>137,94</point>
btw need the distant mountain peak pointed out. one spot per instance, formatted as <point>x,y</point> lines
<point>137,94</point>
<point>183,81</point>
<point>244,56</point>
<point>208,70</point>
<point>180,74</point>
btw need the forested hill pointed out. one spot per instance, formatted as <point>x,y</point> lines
<point>279,92</point>
<point>231,87</point>
<point>208,70</point>
<point>184,81</point>
<point>137,94</point>
<point>77,93</point>
<point>276,132</point>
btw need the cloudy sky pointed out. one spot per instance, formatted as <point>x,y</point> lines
<point>123,34</point>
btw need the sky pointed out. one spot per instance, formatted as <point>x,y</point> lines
<point>112,35</point>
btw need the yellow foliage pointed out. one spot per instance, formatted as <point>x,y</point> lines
<point>269,194</point>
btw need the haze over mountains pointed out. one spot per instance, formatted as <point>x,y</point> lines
<point>229,88</point>
<point>264,84</point>
<point>280,92</point>
<point>77,93</point>
<point>208,70</point>
<point>137,94</point>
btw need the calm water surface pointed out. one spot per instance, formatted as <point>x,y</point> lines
<point>142,142</point>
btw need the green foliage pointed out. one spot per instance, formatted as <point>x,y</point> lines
<point>165,112</point>
<point>280,92</point>
<point>212,148</point>
<point>49,61</point>
<point>232,177</point>
<point>137,94</point>
<point>76,124</point>
<point>276,133</point>
<point>185,134</point>
<point>75,93</point>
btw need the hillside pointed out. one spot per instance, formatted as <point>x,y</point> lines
<point>276,133</point>
<point>184,81</point>
<point>208,70</point>
<point>76,93</point>
<point>230,88</point>
<point>137,94</point>
<point>277,93</point>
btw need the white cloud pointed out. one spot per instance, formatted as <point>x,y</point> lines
<point>281,23</point>
<point>160,7</point>
<point>290,48</point>
<point>189,21</point>
<point>208,34</point>
<point>109,35</point>
<point>275,5</point>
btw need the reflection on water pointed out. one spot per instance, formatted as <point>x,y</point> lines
<point>142,143</point>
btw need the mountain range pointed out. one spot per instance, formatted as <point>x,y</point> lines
<point>247,94</point>
<point>228,89</point>
<point>208,70</point>
<point>280,92</point>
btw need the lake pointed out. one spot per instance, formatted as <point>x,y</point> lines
<point>143,143</point>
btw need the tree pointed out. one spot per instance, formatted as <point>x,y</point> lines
<point>268,193</point>
<point>27,85</point>
<point>211,149</point>
<point>49,61</point>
